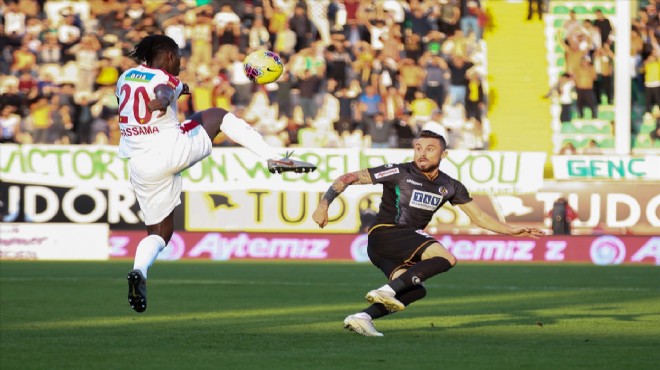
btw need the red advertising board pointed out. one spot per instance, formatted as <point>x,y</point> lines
<point>599,250</point>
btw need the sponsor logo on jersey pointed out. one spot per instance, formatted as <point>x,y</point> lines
<point>382,174</point>
<point>425,200</point>
<point>411,181</point>
<point>136,76</point>
<point>139,130</point>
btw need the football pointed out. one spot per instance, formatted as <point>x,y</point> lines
<point>263,66</point>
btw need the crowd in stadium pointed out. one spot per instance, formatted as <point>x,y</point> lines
<point>586,84</point>
<point>359,73</point>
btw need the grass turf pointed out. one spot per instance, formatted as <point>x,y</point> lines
<point>240,315</point>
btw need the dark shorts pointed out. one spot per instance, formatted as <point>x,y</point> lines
<point>391,247</point>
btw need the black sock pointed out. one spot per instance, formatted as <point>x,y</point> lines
<point>416,293</point>
<point>419,272</point>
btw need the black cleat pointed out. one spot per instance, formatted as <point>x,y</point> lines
<point>287,164</point>
<point>137,291</point>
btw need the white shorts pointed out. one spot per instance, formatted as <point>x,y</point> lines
<point>156,174</point>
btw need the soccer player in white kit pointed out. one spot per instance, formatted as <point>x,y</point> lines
<point>159,147</point>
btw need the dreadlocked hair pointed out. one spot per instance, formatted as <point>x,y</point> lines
<point>147,49</point>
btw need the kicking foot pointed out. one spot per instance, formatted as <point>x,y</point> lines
<point>287,164</point>
<point>137,291</point>
<point>387,299</point>
<point>361,323</point>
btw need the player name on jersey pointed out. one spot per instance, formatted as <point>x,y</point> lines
<point>139,130</point>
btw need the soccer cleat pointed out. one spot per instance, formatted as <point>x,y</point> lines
<point>361,325</point>
<point>137,291</point>
<point>387,299</point>
<point>287,164</point>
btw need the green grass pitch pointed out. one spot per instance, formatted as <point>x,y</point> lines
<point>282,315</point>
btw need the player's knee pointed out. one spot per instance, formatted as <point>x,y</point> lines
<point>452,259</point>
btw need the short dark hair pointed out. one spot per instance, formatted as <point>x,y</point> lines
<point>433,135</point>
<point>147,49</point>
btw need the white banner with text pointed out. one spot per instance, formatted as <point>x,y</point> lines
<point>238,169</point>
<point>29,241</point>
<point>581,167</point>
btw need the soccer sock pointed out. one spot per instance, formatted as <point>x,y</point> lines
<point>146,253</point>
<point>245,135</point>
<point>411,295</point>
<point>419,272</point>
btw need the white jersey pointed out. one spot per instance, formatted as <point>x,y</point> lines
<point>141,129</point>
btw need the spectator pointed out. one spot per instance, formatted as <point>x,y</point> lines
<point>258,36</point>
<point>380,131</point>
<point>370,103</point>
<point>470,20</point>
<point>458,68</point>
<point>562,215</point>
<point>604,26</point>
<point>422,107</point>
<point>534,5</point>
<point>475,101</point>
<point>83,116</point>
<point>283,99</point>
<point>567,148</point>
<point>302,26</point>
<point>592,148</point>
<point>585,75</point>
<point>393,104</point>
<point>285,42</point>
<point>14,20</point>
<point>412,78</point>
<point>436,79</point>
<point>39,119</point>
<point>604,66</point>
<point>86,54</point>
<point>651,70</point>
<point>339,59</point>
<point>68,34</point>
<point>347,100</point>
<point>10,125</point>
<point>449,17</point>
<point>308,85</point>
<point>565,88</point>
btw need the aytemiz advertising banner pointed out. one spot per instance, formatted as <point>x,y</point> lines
<point>580,167</point>
<point>599,250</point>
<point>238,168</point>
<point>54,241</point>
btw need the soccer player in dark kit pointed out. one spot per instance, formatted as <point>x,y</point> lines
<point>397,243</point>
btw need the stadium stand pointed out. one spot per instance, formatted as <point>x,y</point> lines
<point>61,59</point>
<point>574,32</point>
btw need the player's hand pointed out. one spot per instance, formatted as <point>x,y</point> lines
<point>320,215</point>
<point>185,90</point>
<point>531,232</point>
<point>158,105</point>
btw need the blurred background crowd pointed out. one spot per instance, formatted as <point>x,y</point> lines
<point>358,73</point>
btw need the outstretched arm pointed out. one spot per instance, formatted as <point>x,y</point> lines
<point>320,215</point>
<point>485,221</point>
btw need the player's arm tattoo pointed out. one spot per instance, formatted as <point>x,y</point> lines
<point>339,185</point>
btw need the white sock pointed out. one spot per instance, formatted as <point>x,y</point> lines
<point>387,288</point>
<point>146,253</point>
<point>245,135</point>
